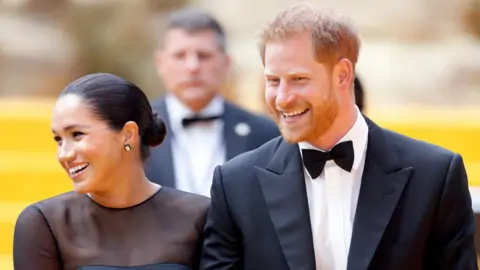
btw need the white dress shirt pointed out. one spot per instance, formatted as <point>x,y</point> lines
<point>332,200</point>
<point>198,148</point>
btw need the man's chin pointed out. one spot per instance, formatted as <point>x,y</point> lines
<point>193,93</point>
<point>292,137</point>
<point>196,99</point>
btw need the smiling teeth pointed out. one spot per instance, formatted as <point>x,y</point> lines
<point>294,113</point>
<point>75,169</point>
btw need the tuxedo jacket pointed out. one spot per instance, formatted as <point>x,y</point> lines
<point>414,210</point>
<point>159,166</point>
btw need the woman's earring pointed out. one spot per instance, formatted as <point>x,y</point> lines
<point>127,147</point>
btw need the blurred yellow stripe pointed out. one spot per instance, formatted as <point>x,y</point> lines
<point>465,115</point>
<point>19,161</point>
<point>9,211</point>
<point>473,173</point>
<point>26,107</point>
<point>8,215</point>
<point>6,262</point>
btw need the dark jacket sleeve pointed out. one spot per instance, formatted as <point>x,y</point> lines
<point>222,248</point>
<point>451,245</point>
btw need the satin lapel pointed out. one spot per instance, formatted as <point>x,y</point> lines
<point>283,187</point>
<point>382,185</point>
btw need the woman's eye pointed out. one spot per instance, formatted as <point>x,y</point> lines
<point>77,134</point>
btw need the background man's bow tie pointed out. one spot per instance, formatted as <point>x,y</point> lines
<point>198,119</point>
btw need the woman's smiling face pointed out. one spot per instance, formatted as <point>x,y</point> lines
<point>87,148</point>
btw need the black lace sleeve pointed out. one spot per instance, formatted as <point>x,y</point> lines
<point>33,243</point>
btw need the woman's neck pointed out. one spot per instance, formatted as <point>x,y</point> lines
<point>129,190</point>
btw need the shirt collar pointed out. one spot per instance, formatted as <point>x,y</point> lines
<point>358,134</point>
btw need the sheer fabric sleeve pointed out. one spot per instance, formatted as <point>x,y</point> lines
<point>34,245</point>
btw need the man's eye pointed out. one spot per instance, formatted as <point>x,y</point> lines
<point>273,81</point>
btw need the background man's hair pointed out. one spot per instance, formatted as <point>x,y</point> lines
<point>192,19</point>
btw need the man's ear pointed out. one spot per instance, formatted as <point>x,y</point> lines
<point>227,64</point>
<point>158,58</point>
<point>343,73</point>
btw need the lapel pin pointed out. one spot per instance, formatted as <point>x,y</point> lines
<point>242,129</point>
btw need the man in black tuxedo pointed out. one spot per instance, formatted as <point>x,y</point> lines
<point>336,191</point>
<point>203,130</point>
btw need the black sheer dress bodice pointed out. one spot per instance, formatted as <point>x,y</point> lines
<point>72,232</point>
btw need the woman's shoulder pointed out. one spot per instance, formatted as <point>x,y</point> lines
<point>53,206</point>
<point>183,202</point>
<point>62,200</point>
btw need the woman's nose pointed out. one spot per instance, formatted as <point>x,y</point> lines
<point>65,153</point>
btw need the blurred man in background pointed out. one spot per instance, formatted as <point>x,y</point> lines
<point>204,130</point>
<point>359,94</point>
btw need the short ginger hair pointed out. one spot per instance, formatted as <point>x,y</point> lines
<point>333,35</point>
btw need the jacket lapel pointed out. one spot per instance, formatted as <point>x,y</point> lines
<point>283,186</point>
<point>382,185</point>
<point>159,167</point>
<point>236,131</point>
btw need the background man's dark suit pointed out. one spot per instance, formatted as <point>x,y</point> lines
<point>414,210</point>
<point>159,166</point>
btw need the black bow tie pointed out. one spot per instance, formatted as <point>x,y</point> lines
<point>198,119</point>
<point>315,160</point>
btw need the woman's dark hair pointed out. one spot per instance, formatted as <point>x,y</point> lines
<point>117,101</point>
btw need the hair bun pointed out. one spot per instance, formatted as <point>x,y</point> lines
<point>155,133</point>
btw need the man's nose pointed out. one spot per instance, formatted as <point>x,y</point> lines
<point>193,63</point>
<point>284,96</point>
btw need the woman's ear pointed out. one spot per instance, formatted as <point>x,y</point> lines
<point>130,133</point>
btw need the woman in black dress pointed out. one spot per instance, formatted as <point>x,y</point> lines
<point>115,218</point>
